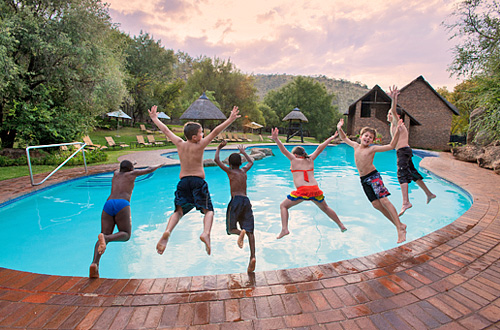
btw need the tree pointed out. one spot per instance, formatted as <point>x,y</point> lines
<point>150,70</point>
<point>312,99</point>
<point>477,57</point>
<point>229,85</point>
<point>60,69</point>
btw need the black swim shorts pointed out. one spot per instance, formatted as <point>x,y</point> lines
<point>192,191</point>
<point>239,211</point>
<point>374,186</point>
<point>406,170</point>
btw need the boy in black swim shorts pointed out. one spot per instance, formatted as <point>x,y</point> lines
<point>239,209</point>
<point>371,181</point>
<point>192,190</point>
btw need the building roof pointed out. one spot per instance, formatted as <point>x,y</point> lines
<point>387,99</point>
<point>202,109</point>
<point>296,114</point>
<point>448,104</point>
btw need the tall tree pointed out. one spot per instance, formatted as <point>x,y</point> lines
<point>59,69</point>
<point>477,57</point>
<point>312,99</point>
<point>230,87</point>
<point>150,71</point>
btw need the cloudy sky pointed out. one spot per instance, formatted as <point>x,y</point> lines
<point>369,41</point>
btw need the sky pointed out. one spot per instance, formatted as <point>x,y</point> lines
<point>368,41</point>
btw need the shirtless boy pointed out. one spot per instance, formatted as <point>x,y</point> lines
<point>116,211</point>
<point>192,189</point>
<point>406,170</point>
<point>371,180</point>
<point>239,209</point>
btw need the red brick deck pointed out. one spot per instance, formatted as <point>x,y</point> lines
<point>449,279</point>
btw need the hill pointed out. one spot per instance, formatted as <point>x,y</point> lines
<point>346,91</point>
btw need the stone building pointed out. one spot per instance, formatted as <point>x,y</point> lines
<point>426,114</point>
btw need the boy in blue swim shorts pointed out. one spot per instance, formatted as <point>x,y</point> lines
<point>239,209</point>
<point>116,211</point>
<point>371,181</point>
<point>192,190</point>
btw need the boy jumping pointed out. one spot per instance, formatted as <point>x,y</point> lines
<point>406,170</point>
<point>239,209</point>
<point>192,189</point>
<point>371,181</point>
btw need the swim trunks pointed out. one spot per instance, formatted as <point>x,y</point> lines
<point>374,186</point>
<point>192,191</point>
<point>239,210</point>
<point>113,206</point>
<point>406,170</point>
<point>307,193</point>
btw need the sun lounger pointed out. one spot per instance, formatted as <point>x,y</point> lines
<point>112,143</point>
<point>90,145</point>
<point>140,141</point>
<point>143,128</point>
<point>152,141</point>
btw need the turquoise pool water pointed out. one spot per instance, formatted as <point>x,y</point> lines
<point>208,154</point>
<point>54,231</point>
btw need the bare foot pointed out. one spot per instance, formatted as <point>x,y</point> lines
<point>206,239</point>
<point>402,233</point>
<point>343,229</point>
<point>102,243</point>
<point>284,232</point>
<point>94,271</point>
<point>241,238</point>
<point>404,208</point>
<point>431,197</point>
<point>251,265</point>
<point>162,243</point>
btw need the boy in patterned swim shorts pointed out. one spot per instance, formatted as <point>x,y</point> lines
<point>371,181</point>
<point>239,209</point>
<point>192,189</point>
<point>406,170</point>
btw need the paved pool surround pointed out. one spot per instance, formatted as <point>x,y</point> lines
<point>449,279</point>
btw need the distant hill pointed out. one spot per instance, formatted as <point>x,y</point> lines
<point>346,91</point>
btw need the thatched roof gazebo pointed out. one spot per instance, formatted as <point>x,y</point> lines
<point>295,119</point>
<point>203,109</point>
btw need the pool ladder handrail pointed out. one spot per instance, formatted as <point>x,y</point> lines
<point>28,148</point>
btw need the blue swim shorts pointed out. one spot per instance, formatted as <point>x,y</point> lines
<point>113,206</point>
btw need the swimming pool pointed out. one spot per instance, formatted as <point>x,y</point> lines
<point>54,231</point>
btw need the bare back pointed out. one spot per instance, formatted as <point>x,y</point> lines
<point>300,165</point>
<point>237,181</point>
<point>191,159</point>
<point>122,185</point>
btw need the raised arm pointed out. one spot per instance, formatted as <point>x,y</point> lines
<point>232,117</point>
<point>217,159</point>
<point>394,140</point>
<point>322,146</point>
<point>394,93</point>
<point>343,136</point>
<point>274,137</point>
<point>153,114</point>
<point>249,159</point>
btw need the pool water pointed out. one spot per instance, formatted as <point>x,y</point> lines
<point>208,154</point>
<point>54,231</point>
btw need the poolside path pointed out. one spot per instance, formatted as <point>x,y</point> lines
<point>449,279</point>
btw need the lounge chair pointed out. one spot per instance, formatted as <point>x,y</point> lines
<point>112,143</point>
<point>90,145</point>
<point>152,141</point>
<point>143,128</point>
<point>140,141</point>
<point>245,138</point>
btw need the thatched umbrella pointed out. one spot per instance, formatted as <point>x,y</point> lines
<point>295,119</point>
<point>203,109</point>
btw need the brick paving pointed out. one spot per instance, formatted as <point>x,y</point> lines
<point>449,279</point>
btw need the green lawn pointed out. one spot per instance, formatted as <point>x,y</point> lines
<point>125,135</point>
